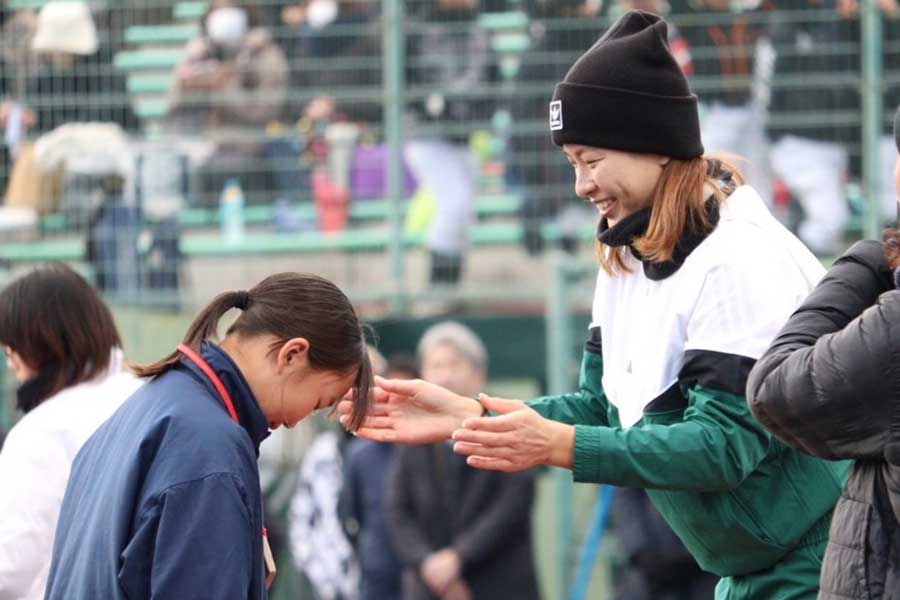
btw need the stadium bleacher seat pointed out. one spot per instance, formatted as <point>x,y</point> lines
<point>254,244</point>
<point>148,60</point>
<point>179,34</point>
<point>190,10</point>
<point>488,206</point>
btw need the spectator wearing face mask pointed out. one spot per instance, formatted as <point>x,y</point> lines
<point>231,84</point>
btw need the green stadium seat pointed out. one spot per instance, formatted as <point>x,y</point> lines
<point>26,4</point>
<point>161,34</point>
<point>190,10</point>
<point>45,250</point>
<point>513,19</point>
<point>139,84</point>
<point>255,244</point>
<point>488,206</point>
<point>151,110</point>
<point>510,42</point>
<point>148,60</point>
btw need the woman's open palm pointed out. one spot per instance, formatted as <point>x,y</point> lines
<point>411,412</point>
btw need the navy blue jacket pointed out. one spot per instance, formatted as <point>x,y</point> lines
<point>163,500</point>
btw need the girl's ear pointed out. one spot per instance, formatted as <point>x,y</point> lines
<point>293,355</point>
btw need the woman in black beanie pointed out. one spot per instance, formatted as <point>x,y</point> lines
<point>696,279</point>
<point>829,385</point>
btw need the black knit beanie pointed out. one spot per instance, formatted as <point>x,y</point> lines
<point>628,93</point>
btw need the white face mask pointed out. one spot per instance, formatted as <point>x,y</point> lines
<point>226,26</point>
<point>321,13</point>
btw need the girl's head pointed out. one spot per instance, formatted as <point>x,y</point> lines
<point>56,332</point>
<point>628,122</point>
<point>297,341</point>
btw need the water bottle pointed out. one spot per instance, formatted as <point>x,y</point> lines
<point>231,207</point>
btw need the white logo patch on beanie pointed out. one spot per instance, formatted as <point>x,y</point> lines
<point>556,116</point>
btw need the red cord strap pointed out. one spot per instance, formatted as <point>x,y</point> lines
<point>217,383</point>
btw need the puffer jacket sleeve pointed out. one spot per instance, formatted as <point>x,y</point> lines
<point>829,384</point>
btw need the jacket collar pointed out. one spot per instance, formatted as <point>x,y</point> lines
<point>635,226</point>
<point>248,411</point>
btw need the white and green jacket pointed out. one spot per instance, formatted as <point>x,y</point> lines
<point>662,405</point>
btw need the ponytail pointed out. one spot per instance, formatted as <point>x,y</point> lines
<point>205,326</point>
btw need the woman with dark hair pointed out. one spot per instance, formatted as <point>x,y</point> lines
<point>695,279</point>
<point>63,348</point>
<point>164,500</point>
<point>829,385</point>
<point>231,83</point>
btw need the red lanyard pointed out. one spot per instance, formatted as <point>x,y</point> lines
<point>229,405</point>
<point>213,378</point>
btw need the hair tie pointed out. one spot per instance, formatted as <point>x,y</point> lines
<point>242,301</point>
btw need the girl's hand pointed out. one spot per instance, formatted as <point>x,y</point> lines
<point>515,440</point>
<point>411,412</point>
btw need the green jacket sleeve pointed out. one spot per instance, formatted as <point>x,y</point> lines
<point>587,406</point>
<point>714,447</point>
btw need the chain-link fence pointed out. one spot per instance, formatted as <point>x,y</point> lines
<point>399,148</point>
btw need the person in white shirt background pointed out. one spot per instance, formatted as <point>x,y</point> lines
<point>64,350</point>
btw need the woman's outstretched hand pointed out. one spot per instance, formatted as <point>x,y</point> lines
<point>411,412</point>
<point>518,438</point>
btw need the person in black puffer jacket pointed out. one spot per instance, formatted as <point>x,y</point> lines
<point>829,385</point>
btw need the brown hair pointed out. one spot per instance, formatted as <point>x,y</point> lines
<point>892,248</point>
<point>59,326</point>
<point>290,305</point>
<point>679,204</point>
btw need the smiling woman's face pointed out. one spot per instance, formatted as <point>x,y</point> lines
<point>618,183</point>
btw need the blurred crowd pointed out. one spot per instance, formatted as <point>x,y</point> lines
<point>283,104</point>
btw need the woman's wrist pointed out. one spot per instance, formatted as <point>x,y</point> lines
<point>562,445</point>
<point>469,408</point>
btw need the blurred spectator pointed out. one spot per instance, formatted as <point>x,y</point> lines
<point>463,534</point>
<point>334,48</point>
<point>811,119</point>
<point>17,64</point>
<point>318,544</point>
<point>62,347</point>
<point>75,80</point>
<point>333,45</point>
<point>361,506</point>
<point>231,84</point>
<point>402,366</point>
<point>74,83</point>
<point>536,162</point>
<point>449,70</point>
<point>658,565</point>
<point>724,46</point>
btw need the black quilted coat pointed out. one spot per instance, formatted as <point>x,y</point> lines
<point>829,385</point>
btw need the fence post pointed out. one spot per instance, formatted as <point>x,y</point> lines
<point>394,105</point>
<point>873,123</point>
<point>559,347</point>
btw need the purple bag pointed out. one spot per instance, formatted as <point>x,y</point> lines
<point>368,173</point>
